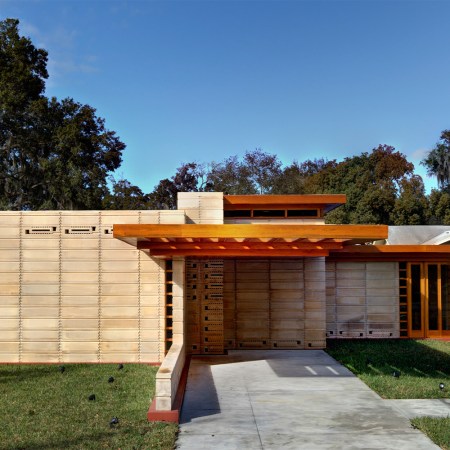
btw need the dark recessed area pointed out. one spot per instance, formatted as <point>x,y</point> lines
<point>302,213</point>
<point>268,213</point>
<point>237,213</point>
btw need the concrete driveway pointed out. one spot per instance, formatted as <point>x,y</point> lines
<point>287,399</point>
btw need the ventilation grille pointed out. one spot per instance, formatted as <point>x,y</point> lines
<point>80,230</point>
<point>42,230</point>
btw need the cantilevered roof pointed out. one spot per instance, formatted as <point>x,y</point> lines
<point>246,239</point>
<point>392,253</point>
<point>326,202</point>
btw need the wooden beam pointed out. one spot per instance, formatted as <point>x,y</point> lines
<point>266,201</point>
<point>374,249</point>
<point>245,231</point>
<point>242,253</point>
<point>238,246</point>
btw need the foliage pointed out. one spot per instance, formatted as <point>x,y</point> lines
<point>422,365</point>
<point>371,182</point>
<point>263,169</point>
<point>436,428</point>
<point>411,207</point>
<point>53,154</point>
<point>294,178</point>
<point>125,195</point>
<point>230,176</point>
<point>189,177</point>
<point>439,207</point>
<point>23,70</point>
<point>437,161</point>
<point>43,408</point>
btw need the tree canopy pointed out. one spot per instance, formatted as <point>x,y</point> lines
<point>437,162</point>
<point>53,154</point>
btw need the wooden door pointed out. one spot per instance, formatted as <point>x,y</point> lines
<point>429,300</point>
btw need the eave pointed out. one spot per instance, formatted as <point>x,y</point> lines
<point>325,202</point>
<point>241,240</point>
<point>437,253</point>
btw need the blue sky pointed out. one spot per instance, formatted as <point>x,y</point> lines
<point>183,81</point>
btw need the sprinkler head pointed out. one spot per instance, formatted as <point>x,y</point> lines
<point>114,421</point>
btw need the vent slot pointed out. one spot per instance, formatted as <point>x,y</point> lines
<point>80,230</point>
<point>41,230</point>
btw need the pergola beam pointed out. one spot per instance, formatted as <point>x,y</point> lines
<point>145,245</point>
<point>248,231</point>
<point>242,253</point>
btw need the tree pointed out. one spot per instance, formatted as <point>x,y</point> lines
<point>125,195</point>
<point>371,182</point>
<point>294,178</point>
<point>189,177</point>
<point>263,170</point>
<point>439,207</point>
<point>411,207</point>
<point>23,70</point>
<point>231,177</point>
<point>53,154</point>
<point>437,162</point>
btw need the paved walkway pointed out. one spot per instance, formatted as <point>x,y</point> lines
<point>287,399</point>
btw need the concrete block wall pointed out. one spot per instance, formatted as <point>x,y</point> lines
<point>170,372</point>
<point>69,292</point>
<point>362,300</point>
<point>201,207</point>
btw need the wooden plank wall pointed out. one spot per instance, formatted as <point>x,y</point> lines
<point>362,300</point>
<point>264,304</point>
<point>315,302</point>
<point>69,292</point>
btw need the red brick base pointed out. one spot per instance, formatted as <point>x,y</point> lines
<point>154,415</point>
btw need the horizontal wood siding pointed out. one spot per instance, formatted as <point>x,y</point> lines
<point>264,304</point>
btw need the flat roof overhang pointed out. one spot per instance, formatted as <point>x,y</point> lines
<point>325,202</point>
<point>410,253</point>
<point>241,240</point>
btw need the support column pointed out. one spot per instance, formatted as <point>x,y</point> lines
<point>179,300</point>
<point>167,403</point>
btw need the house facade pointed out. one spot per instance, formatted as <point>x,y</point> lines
<point>219,273</point>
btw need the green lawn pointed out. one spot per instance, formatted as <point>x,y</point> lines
<point>42,408</point>
<point>422,365</point>
<point>437,429</point>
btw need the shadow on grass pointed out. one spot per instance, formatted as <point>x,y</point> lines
<point>422,359</point>
<point>85,441</point>
<point>22,372</point>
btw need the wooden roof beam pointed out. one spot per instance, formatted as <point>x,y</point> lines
<point>238,246</point>
<point>240,232</point>
<point>243,253</point>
